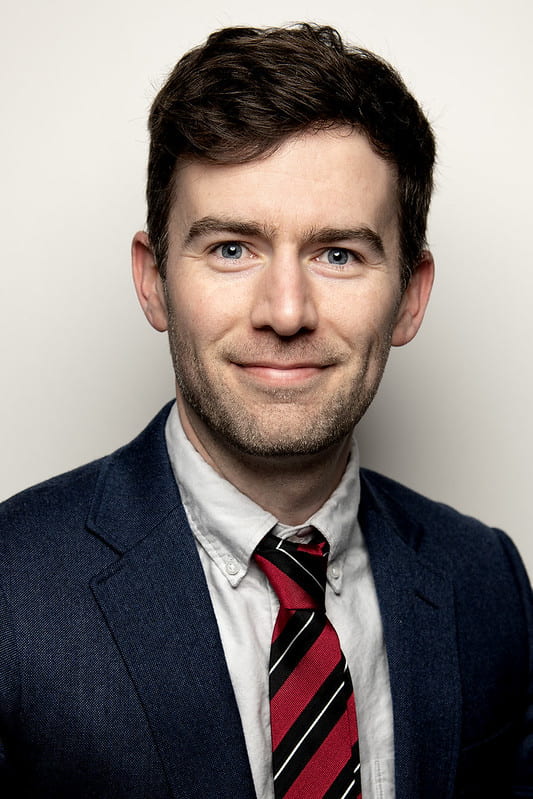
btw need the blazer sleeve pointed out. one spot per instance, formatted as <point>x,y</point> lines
<point>523,776</point>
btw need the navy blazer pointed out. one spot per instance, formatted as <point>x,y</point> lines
<point>113,682</point>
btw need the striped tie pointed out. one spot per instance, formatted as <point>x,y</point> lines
<point>312,709</point>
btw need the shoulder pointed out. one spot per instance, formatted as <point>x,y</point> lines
<point>439,534</point>
<point>66,500</point>
<point>45,539</point>
<point>435,530</point>
<point>407,508</point>
<point>66,493</point>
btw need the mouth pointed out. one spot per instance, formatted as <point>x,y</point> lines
<point>282,374</point>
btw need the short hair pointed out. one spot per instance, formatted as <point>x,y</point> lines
<point>245,91</point>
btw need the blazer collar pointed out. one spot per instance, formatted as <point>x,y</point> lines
<point>156,603</point>
<point>417,608</point>
<point>136,489</point>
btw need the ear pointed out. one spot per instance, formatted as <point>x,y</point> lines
<point>148,282</point>
<point>414,301</point>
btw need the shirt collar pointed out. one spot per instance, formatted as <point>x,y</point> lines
<point>229,525</point>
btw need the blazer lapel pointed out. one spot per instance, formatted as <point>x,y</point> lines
<point>416,603</point>
<point>156,603</point>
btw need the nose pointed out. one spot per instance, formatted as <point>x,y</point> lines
<point>284,299</point>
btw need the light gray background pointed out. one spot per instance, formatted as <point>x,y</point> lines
<point>81,370</point>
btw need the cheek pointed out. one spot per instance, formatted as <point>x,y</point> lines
<point>202,317</point>
<point>367,318</point>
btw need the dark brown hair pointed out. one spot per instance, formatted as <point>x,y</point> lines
<point>242,93</point>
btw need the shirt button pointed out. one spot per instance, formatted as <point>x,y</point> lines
<point>232,567</point>
<point>334,572</point>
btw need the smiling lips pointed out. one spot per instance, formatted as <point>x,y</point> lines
<point>282,373</point>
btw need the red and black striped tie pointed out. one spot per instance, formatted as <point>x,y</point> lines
<point>315,751</point>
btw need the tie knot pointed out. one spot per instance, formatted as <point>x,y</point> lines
<point>296,572</point>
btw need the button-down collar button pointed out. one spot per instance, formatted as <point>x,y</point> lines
<point>335,572</point>
<point>232,567</point>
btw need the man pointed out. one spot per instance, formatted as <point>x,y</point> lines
<point>288,188</point>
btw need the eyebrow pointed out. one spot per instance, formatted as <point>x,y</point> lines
<point>363,234</point>
<point>234,227</point>
<point>211,224</point>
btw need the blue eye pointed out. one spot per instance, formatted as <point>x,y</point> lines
<point>338,256</point>
<point>232,249</point>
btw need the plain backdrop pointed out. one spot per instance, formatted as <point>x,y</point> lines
<point>81,370</point>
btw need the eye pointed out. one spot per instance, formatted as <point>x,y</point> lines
<point>231,256</point>
<point>337,256</point>
<point>230,249</point>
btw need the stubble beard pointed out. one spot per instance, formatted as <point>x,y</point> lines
<point>281,426</point>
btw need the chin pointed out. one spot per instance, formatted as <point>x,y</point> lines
<point>260,440</point>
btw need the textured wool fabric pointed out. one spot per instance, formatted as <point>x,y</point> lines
<point>113,678</point>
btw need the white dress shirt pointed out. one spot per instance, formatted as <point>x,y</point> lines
<point>227,526</point>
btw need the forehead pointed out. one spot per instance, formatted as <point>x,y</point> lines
<point>331,177</point>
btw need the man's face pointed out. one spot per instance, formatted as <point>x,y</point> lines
<point>282,293</point>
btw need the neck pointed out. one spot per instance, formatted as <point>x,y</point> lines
<point>291,488</point>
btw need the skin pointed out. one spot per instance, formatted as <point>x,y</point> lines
<point>282,299</point>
